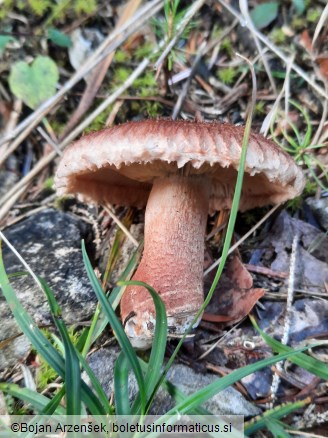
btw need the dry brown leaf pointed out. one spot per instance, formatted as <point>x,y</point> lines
<point>234,297</point>
<point>322,61</point>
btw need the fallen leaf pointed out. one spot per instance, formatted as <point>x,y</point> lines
<point>322,61</point>
<point>306,41</point>
<point>34,83</point>
<point>234,297</point>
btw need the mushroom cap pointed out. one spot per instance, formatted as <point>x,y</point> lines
<point>119,164</point>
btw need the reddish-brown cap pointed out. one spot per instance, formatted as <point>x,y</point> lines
<point>119,164</point>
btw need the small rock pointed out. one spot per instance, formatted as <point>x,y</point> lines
<point>228,401</point>
<point>50,242</point>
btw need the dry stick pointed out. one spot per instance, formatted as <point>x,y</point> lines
<point>240,241</point>
<point>278,52</point>
<point>120,224</point>
<point>244,9</point>
<point>111,43</point>
<point>184,92</point>
<point>12,195</point>
<point>49,140</point>
<point>289,305</point>
<point>14,116</point>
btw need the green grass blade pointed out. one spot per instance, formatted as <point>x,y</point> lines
<point>309,363</point>
<point>38,401</point>
<point>276,428</point>
<point>179,397</point>
<point>40,342</point>
<point>121,386</point>
<point>28,326</point>
<point>157,354</point>
<point>175,392</point>
<point>96,385</point>
<point>52,406</point>
<point>199,397</point>
<point>72,364</point>
<point>117,327</point>
<point>275,413</point>
<point>100,321</point>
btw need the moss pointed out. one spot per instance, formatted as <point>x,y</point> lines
<point>227,75</point>
<point>45,373</point>
<point>121,56</point>
<point>260,107</point>
<point>49,183</point>
<point>310,188</point>
<point>39,7</point>
<point>144,51</point>
<point>298,23</point>
<point>278,36</point>
<point>55,10</point>
<point>100,121</point>
<point>313,15</point>
<point>120,75</point>
<point>226,46</point>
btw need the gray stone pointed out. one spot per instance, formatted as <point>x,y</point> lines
<point>320,210</point>
<point>228,401</point>
<point>50,242</point>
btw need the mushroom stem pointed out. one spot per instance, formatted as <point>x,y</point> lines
<point>173,258</point>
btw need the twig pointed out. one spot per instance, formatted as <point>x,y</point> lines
<point>13,119</point>
<point>121,225</point>
<point>265,271</point>
<point>288,314</point>
<point>49,140</point>
<point>186,86</point>
<point>240,241</point>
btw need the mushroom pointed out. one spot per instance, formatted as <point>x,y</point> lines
<point>180,171</point>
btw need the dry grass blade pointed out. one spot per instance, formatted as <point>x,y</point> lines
<point>272,113</point>
<point>111,43</point>
<point>240,241</point>
<point>121,225</point>
<point>243,4</point>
